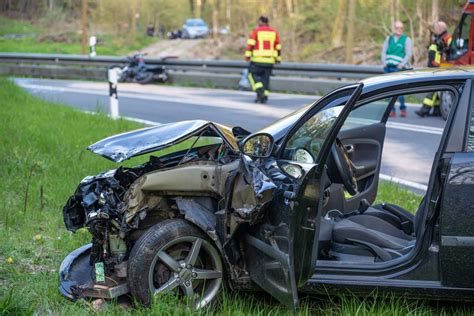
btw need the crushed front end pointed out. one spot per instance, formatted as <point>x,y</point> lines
<point>113,207</point>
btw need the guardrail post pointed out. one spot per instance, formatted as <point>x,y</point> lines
<point>113,75</point>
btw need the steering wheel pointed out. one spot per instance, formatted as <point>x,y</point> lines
<point>344,167</point>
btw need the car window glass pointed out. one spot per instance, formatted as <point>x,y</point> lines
<point>312,134</point>
<point>366,114</point>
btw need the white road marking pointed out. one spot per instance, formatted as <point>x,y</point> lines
<point>394,125</point>
<point>203,100</point>
<point>264,109</point>
<point>407,183</point>
<point>415,128</point>
<point>128,118</point>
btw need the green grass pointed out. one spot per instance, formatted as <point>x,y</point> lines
<point>42,149</point>
<point>115,45</point>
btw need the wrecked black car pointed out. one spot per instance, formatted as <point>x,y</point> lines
<point>289,209</point>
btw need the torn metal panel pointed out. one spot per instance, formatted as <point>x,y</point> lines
<point>203,177</point>
<point>139,142</point>
<point>252,191</point>
<point>199,215</point>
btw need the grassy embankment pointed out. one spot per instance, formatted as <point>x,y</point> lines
<point>42,159</point>
<point>39,40</point>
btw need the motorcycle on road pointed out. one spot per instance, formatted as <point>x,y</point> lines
<point>138,71</point>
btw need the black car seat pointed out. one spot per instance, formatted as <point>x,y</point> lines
<point>375,234</point>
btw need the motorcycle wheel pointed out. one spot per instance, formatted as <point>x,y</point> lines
<point>123,77</point>
<point>163,77</point>
<point>144,78</point>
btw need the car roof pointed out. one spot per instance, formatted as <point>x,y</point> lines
<point>418,76</point>
<point>195,20</point>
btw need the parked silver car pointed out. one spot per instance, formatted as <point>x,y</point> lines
<point>195,28</point>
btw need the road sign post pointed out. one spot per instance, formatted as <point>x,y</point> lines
<point>113,75</point>
<point>92,43</point>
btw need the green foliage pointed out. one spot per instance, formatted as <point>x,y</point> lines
<point>41,40</point>
<point>42,146</point>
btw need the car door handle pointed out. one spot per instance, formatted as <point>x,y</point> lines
<point>349,148</point>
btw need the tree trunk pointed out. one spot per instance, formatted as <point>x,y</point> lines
<point>50,5</point>
<point>215,19</point>
<point>192,8</point>
<point>434,11</point>
<point>396,10</point>
<point>350,32</point>
<point>338,26</point>
<point>289,7</point>
<point>198,9</point>
<point>419,15</point>
<point>84,21</point>
<point>133,20</point>
<point>392,12</point>
<point>228,13</point>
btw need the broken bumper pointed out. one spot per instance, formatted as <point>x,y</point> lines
<point>75,278</point>
<point>75,271</point>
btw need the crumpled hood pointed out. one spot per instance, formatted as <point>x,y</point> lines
<point>139,142</point>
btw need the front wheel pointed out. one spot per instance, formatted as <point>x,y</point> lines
<point>174,256</point>
<point>144,78</point>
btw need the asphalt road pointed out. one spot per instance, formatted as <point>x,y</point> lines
<point>410,143</point>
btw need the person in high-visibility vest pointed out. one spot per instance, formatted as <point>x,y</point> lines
<point>263,51</point>
<point>439,46</point>
<point>396,54</point>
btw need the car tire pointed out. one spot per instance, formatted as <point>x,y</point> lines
<point>446,101</point>
<point>175,256</point>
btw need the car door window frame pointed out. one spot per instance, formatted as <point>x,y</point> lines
<point>405,262</point>
<point>323,103</point>
<point>469,123</point>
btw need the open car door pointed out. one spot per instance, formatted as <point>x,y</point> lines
<point>282,249</point>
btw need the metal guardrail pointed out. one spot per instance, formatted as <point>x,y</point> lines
<point>297,69</point>
<point>290,77</point>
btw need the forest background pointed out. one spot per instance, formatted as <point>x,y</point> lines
<point>320,31</point>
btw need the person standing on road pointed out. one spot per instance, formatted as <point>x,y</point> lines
<point>263,51</point>
<point>396,55</point>
<point>439,45</point>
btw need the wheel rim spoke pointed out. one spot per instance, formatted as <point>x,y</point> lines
<point>187,288</point>
<point>169,261</point>
<point>194,252</point>
<point>170,285</point>
<point>180,256</point>
<point>207,274</point>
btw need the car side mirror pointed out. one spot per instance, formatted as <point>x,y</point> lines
<point>257,145</point>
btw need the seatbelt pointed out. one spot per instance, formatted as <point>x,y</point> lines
<point>405,221</point>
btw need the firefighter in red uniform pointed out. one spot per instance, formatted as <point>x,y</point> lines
<point>439,46</point>
<point>263,51</point>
